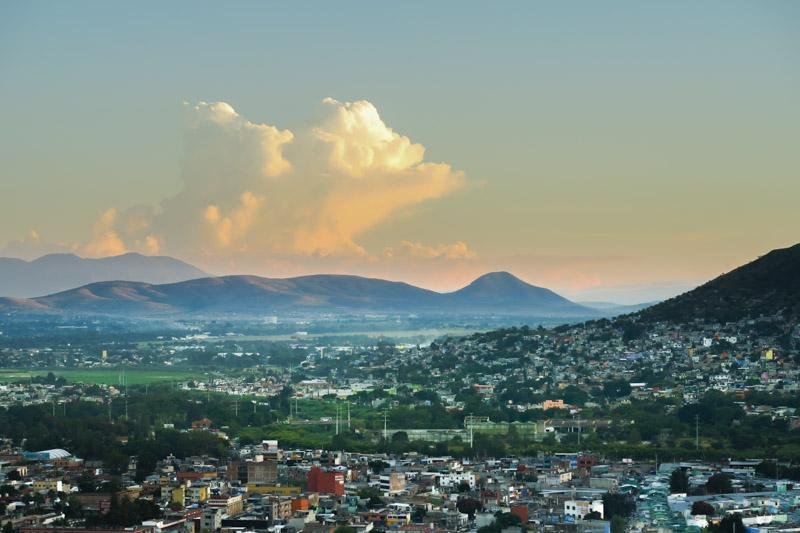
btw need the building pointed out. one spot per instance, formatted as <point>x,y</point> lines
<point>275,490</point>
<point>212,519</point>
<point>454,479</point>
<point>262,471</point>
<point>230,505</point>
<point>45,485</point>
<point>393,483</point>
<point>578,509</point>
<point>278,509</point>
<point>47,455</point>
<point>325,482</point>
<point>197,493</point>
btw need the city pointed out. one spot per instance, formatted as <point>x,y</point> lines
<point>399,267</point>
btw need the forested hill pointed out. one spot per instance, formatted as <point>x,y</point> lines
<point>768,286</point>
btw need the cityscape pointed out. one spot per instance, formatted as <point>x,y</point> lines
<point>575,308</point>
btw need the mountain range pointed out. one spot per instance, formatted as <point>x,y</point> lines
<point>497,292</point>
<point>58,272</point>
<point>768,286</point>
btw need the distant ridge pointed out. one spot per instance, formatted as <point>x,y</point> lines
<point>498,293</point>
<point>58,272</point>
<point>501,290</point>
<point>768,286</point>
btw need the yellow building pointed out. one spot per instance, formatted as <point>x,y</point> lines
<point>197,493</point>
<point>277,490</point>
<point>46,485</point>
<point>178,495</point>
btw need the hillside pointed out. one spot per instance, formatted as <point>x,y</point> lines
<point>767,286</point>
<point>59,272</point>
<point>252,295</point>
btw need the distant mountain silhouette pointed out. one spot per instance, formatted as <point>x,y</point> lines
<point>501,290</point>
<point>499,293</point>
<point>58,272</point>
<point>767,286</point>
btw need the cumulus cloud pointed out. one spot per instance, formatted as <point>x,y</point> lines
<point>105,240</point>
<point>257,190</point>
<point>456,250</point>
<point>32,245</point>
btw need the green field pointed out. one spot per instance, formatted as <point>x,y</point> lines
<point>109,376</point>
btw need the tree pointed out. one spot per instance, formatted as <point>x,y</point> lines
<point>703,508</point>
<point>616,504</point>
<point>594,515</point>
<point>8,528</point>
<point>616,388</point>
<point>728,524</point>
<point>719,483</point>
<point>469,506</point>
<point>400,436</point>
<point>378,466</point>
<point>679,481</point>
<point>617,524</point>
<point>344,529</point>
<point>504,520</point>
<point>38,499</point>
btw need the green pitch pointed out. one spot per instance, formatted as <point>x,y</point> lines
<point>108,376</point>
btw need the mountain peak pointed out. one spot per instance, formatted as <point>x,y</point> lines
<point>503,290</point>
<point>58,272</point>
<point>498,281</point>
<point>499,275</point>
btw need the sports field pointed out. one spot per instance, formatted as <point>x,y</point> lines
<point>110,376</point>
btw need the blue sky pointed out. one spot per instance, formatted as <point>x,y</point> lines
<point>602,145</point>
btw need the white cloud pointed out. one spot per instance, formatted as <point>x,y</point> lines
<point>455,251</point>
<point>258,191</point>
<point>32,246</point>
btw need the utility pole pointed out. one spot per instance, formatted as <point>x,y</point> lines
<point>125,383</point>
<point>337,418</point>
<point>348,416</point>
<point>236,407</point>
<point>697,432</point>
<point>384,425</point>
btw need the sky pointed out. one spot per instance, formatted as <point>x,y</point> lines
<point>611,151</point>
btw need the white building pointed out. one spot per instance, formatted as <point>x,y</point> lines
<point>577,509</point>
<point>454,479</point>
